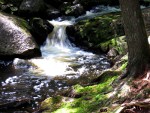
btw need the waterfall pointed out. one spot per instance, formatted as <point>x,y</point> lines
<point>59,55</point>
<point>58,37</point>
<point>62,65</point>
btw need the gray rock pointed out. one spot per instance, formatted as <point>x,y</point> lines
<point>15,39</point>
<point>52,12</point>
<point>72,10</point>
<point>32,7</point>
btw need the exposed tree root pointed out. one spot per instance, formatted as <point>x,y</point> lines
<point>135,107</point>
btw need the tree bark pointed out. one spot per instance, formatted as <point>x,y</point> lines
<point>137,41</point>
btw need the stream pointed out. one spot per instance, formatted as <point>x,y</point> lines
<point>25,83</point>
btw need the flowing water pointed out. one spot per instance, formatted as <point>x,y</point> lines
<point>62,65</point>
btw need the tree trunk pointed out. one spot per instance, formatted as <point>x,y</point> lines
<point>138,47</point>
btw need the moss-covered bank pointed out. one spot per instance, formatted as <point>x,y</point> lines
<point>107,94</point>
<point>97,32</point>
<point>93,99</point>
<point>92,32</point>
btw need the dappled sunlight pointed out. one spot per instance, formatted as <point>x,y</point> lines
<point>67,110</point>
<point>147,78</point>
<point>49,67</point>
<point>124,90</point>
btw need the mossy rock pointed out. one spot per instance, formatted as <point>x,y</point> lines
<point>92,32</point>
<point>118,44</point>
<point>50,104</point>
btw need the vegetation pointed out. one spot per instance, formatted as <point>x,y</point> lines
<point>94,98</point>
<point>112,94</point>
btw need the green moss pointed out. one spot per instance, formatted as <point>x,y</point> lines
<point>118,43</point>
<point>99,29</point>
<point>94,97</point>
<point>50,104</point>
<point>123,66</point>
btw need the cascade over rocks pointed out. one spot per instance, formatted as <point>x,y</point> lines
<point>15,39</point>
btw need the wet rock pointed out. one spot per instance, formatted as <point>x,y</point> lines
<point>15,103</point>
<point>14,2</point>
<point>55,3</point>
<point>118,44</point>
<point>91,32</point>
<point>40,29</point>
<point>52,13</point>
<point>51,104</point>
<point>32,8</point>
<point>94,33</point>
<point>145,2</point>
<point>87,4</point>
<point>112,52</point>
<point>76,2</point>
<point>75,10</point>
<point>16,40</point>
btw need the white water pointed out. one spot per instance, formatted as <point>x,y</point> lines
<point>59,54</point>
<point>60,57</point>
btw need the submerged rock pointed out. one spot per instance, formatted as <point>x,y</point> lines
<point>15,39</point>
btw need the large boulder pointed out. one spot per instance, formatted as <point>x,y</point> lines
<point>32,8</point>
<point>51,12</point>
<point>72,10</point>
<point>15,39</point>
<point>55,3</point>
